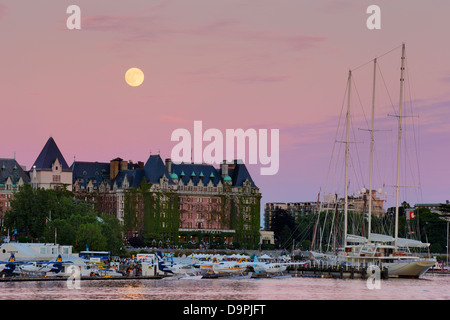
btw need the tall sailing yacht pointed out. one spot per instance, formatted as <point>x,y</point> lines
<point>391,252</point>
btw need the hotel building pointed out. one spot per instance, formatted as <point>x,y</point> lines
<point>158,201</point>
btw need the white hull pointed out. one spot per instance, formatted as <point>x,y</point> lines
<point>188,277</point>
<point>408,268</point>
<point>185,270</point>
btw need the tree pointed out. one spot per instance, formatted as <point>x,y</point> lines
<point>47,215</point>
<point>33,210</point>
<point>90,236</point>
<point>283,227</point>
<point>112,229</point>
<point>433,229</point>
<point>28,212</point>
<point>285,237</point>
<point>60,231</point>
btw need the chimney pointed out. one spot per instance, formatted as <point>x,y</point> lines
<point>114,168</point>
<point>224,167</point>
<point>169,165</point>
<point>123,165</point>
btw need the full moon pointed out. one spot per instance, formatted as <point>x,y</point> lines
<point>134,77</point>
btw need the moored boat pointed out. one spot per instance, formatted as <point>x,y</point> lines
<point>391,252</point>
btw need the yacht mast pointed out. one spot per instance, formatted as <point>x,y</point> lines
<point>346,158</point>
<point>397,187</point>
<point>371,150</point>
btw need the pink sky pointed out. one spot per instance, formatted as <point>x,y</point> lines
<point>232,64</point>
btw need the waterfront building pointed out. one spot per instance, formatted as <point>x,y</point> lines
<point>50,170</point>
<point>33,251</point>
<point>220,206</point>
<point>358,203</point>
<point>267,237</point>
<point>166,203</point>
<point>12,176</point>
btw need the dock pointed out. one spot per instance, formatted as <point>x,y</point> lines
<point>333,271</point>
<point>58,278</point>
<point>303,272</point>
<point>300,271</point>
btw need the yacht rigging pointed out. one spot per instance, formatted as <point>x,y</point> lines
<point>392,252</point>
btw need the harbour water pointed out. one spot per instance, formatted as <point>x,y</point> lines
<point>429,287</point>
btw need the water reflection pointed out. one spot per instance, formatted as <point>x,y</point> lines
<point>431,287</point>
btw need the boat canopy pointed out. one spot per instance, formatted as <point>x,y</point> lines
<point>376,237</point>
<point>409,243</point>
<point>356,239</point>
<point>401,242</point>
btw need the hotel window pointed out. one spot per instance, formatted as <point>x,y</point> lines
<point>56,178</point>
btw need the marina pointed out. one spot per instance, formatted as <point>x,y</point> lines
<point>212,266</point>
<point>26,264</point>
